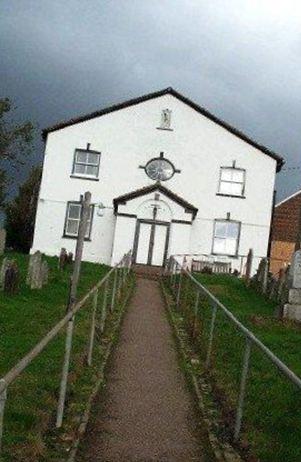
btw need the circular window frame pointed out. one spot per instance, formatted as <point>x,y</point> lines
<point>164,160</point>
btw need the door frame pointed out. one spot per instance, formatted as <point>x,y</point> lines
<point>150,253</point>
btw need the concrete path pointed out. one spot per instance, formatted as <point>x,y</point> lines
<point>146,413</point>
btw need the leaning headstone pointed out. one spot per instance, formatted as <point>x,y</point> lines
<point>35,271</point>
<point>281,283</point>
<point>29,270</point>
<point>4,266</point>
<point>63,258</point>
<point>292,309</point>
<point>272,290</point>
<point>265,274</point>
<point>249,265</point>
<point>70,258</point>
<point>44,273</point>
<point>2,240</point>
<point>11,278</point>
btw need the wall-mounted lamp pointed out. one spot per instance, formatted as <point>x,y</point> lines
<point>100,209</point>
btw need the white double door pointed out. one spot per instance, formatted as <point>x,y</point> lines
<point>151,243</point>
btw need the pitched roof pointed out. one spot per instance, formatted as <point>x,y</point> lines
<point>155,187</point>
<point>184,99</point>
<point>288,198</point>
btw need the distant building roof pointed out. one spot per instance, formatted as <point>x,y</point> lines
<point>288,198</point>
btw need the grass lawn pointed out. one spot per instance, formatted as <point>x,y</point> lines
<point>272,414</point>
<point>24,319</point>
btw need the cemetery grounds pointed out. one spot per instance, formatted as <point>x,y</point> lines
<point>25,318</point>
<point>272,413</point>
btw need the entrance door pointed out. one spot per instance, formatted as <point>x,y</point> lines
<point>143,243</point>
<point>159,244</point>
<point>151,243</point>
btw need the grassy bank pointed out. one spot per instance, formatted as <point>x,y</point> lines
<point>272,415</point>
<point>24,319</point>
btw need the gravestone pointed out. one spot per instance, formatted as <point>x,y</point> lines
<point>11,278</point>
<point>63,258</point>
<point>2,240</point>
<point>4,266</point>
<point>262,275</point>
<point>70,258</point>
<point>292,309</point>
<point>37,274</point>
<point>44,273</point>
<point>249,265</point>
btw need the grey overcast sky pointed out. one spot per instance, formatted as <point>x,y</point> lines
<point>241,59</point>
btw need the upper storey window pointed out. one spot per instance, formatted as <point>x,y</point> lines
<point>86,163</point>
<point>232,181</point>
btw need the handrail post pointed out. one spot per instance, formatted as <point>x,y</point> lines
<point>212,325</point>
<point>85,209</point>
<point>174,268</point>
<point>119,281</point>
<point>114,291</point>
<point>123,273</point>
<point>179,290</point>
<point>92,331</point>
<point>3,397</point>
<point>196,309</point>
<point>242,391</point>
<point>104,308</point>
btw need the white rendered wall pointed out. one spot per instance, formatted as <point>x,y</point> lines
<point>128,138</point>
<point>124,237</point>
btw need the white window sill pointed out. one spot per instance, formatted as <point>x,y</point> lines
<point>230,195</point>
<point>84,177</point>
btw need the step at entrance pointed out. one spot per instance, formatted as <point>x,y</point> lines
<point>147,271</point>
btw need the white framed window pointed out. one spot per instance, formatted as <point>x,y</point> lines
<point>73,218</point>
<point>86,163</point>
<point>226,237</point>
<point>232,181</point>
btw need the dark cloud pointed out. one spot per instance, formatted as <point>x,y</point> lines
<point>239,58</point>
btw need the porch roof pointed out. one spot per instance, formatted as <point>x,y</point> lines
<point>154,188</point>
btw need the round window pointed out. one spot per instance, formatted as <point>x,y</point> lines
<point>159,169</point>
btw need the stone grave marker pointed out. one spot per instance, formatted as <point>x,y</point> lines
<point>4,266</point>
<point>292,309</point>
<point>296,270</point>
<point>34,274</point>
<point>63,258</point>
<point>2,240</point>
<point>249,265</point>
<point>44,272</point>
<point>11,278</point>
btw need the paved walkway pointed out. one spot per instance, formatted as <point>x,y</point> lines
<point>146,413</point>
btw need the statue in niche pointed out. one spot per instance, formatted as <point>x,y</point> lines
<point>165,118</point>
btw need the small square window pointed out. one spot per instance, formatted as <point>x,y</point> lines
<point>86,163</point>
<point>232,181</point>
<point>73,218</point>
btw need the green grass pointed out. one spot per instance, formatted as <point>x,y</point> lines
<point>24,319</point>
<point>272,415</point>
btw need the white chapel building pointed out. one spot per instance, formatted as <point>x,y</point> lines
<point>166,177</point>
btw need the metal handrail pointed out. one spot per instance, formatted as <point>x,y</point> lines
<point>14,372</point>
<point>174,267</point>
